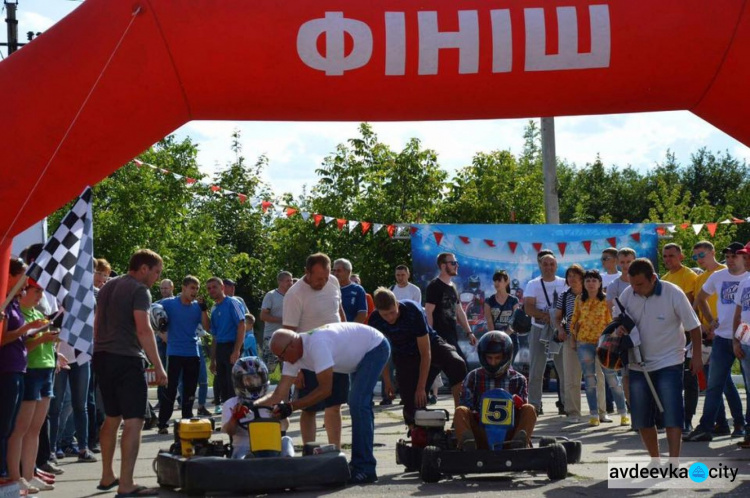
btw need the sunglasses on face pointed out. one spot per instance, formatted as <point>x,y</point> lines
<point>698,256</point>
<point>606,258</point>
<point>452,263</point>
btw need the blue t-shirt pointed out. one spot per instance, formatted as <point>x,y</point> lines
<point>225,317</point>
<point>183,321</point>
<point>411,324</point>
<point>250,346</point>
<point>353,300</point>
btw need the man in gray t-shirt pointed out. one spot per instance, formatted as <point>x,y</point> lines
<point>122,333</point>
<point>271,312</point>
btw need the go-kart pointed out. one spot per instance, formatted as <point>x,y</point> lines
<point>433,450</point>
<point>196,465</point>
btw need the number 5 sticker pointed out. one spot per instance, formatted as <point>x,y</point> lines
<point>497,411</point>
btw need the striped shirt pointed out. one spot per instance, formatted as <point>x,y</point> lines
<point>479,381</point>
<point>566,303</point>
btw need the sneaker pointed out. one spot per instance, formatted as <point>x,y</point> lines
<point>594,421</point>
<point>26,486</point>
<point>687,428</point>
<point>51,468</point>
<point>53,458</point>
<point>203,412</point>
<point>59,454</point>
<point>95,448</point>
<point>572,419</point>
<point>605,419</point>
<point>163,430</point>
<point>217,410</point>
<point>697,435</point>
<point>386,402</point>
<point>624,420</point>
<point>362,478</point>
<point>37,483</point>
<point>86,456</point>
<point>739,431</point>
<point>431,399</point>
<point>71,451</point>
<point>722,430</point>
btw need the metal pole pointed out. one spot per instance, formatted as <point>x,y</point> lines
<point>12,27</point>
<point>549,164</point>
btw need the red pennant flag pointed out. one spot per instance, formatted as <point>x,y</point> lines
<point>489,242</point>
<point>612,241</point>
<point>391,230</point>
<point>737,220</point>
<point>636,236</point>
<point>587,246</point>
<point>712,228</point>
<point>290,212</point>
<point>365,226</point>
<point>513,216</point>
<point>464,239</point>
<point>438,237</point>
<point>189,181</point>
<point>684,225</point>
<point>561,246</point>
<point>265,205</point>
<point>215,188</point>
<point>413,230</point>
<point>318,218</point>
<point>242,197</point>
<point>340,223</point>
<point>537,246</point>
<point>661,230</point>
<point>513,246</point>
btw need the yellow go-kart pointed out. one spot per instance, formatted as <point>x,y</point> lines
<point>195,465</point>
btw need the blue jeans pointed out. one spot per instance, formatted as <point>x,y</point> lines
<point>587,357</point>
<point>668,386</point>
<point>363,382</point>
<point>719,371</point>
<point>745,366</point>
<point>78,377</point>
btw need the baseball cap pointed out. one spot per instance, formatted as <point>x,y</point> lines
<point>229,282</point>
<point>733,248</point>
<point>30,282</point>
<point>745,250</point>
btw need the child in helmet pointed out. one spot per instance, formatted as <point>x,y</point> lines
<point>495,350</point>
<point>250,379</point>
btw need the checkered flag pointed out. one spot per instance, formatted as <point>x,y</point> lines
<point>65,269</point>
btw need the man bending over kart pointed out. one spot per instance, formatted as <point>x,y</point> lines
<point>495,350</point>
<point>347,348</point>
<point>419,354</point>
<point>250,380</point>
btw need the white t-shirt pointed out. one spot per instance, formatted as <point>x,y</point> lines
<point>338,345</point>
<point>742,299</point>
<point>409,291</point>
<point>306,308</point>
<point>661,320</point>
<point>554,289</point>
<point>608,278</point>
<point>241,438</point>
<point>273,301</point>
<point>725,285</point>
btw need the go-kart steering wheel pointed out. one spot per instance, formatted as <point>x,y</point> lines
<point>244,422</point>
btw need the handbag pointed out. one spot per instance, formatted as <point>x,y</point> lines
<point>520,322</point>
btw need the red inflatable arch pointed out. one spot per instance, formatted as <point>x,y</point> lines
<point>115,76</point>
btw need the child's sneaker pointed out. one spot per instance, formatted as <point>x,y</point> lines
<point>594,421</point>
<point>625,420</point>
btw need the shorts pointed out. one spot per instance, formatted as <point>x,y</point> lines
<point>339,392</point>
<point>668,385</point>
<point>122,381</point>
<point>37,383</point>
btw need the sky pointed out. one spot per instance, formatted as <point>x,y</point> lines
<point>295,150</point>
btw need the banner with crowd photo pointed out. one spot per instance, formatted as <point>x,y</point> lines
<point>483,249</point>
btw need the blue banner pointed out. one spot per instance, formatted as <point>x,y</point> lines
<point>483,249</point>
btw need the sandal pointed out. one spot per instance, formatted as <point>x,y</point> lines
<point>102,487</point>
<point>139,491</point>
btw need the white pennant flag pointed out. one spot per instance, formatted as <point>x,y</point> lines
<point>352,225</point>
<point>671,228</point>
<point>376,227</point>
<point>305,215</point>
<point>726,222</point>
<point>697,228</point>
<point>328,219</point>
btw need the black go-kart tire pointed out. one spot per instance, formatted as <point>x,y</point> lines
<point>429,471</point>
<point>408,456</point>
<point>573,449</point>
<point>546,441</point>
<point>558,463</point>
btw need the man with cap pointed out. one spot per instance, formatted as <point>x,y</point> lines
<point>725,284</point>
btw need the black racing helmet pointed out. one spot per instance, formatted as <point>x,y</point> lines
<point>250,378</point>
<point>495,342</point>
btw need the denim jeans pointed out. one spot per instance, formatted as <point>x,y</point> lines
<point>202,380</point>
<point>363,382</point>
<point>745,365</point>
<point>589,364</point>
<point>668,386</point>
<point>78,378</point>
<point>720,370</point>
